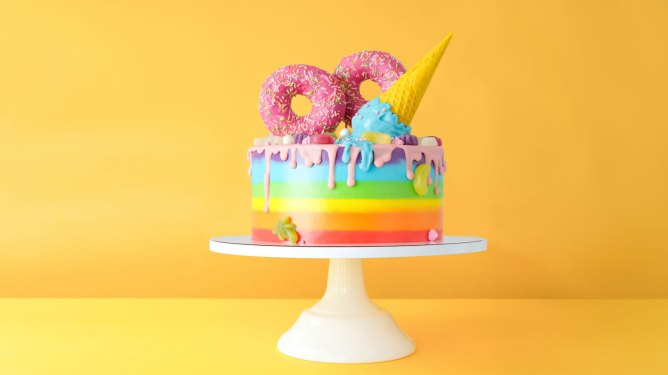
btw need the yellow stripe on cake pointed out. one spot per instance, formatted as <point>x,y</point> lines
<point>345,205</point>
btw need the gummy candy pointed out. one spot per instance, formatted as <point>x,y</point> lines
<point>438,140</point>
<point>321,139</point>
<point>428,141</point>
<point>420,180</point>
<point>299,137</point>
<point>375,137</point>
<point>408,139</point>
<point>285,230</point>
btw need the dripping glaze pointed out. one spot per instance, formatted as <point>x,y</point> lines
<point>311,154</point>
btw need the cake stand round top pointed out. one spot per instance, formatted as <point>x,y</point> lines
<point>243,245</point>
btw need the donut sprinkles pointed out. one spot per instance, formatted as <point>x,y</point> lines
<point>325,92</point>
<point>380,67</point>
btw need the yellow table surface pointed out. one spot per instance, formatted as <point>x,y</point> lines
<point>238,336</point>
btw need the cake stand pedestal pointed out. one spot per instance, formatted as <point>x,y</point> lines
<point>345,326</point>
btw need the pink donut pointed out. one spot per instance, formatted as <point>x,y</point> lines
<point>323,90</point>
<point>380,67</point>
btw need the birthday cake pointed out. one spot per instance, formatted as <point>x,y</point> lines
<point>372,182</point>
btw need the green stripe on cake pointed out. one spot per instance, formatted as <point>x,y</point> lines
<point>361,190</point>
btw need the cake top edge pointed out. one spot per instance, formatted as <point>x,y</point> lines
<point>367,137</point>
<point>276,148</point>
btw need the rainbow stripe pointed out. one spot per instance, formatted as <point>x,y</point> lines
<point>382,206</point>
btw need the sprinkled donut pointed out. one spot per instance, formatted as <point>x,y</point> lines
<point>325,92</point>
<point>380,67</point>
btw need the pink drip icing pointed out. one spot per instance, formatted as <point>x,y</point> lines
<point>293,158</point>
<point>436,162</point>
<point>436,169</point>
<point>267,158</point>
<point>354,152</point>
<point>331,155</point>
<point>433,156</point>
<point>283,153</point>
<point>382,154</point>
<point>439,167</point>
<point>312,154</point>
<point>412,154</point>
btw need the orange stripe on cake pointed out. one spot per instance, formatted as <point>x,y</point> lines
<point>353,221</point>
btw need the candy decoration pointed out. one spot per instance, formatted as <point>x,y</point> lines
<point>376,116</point>
<point>428,141</point>
<point>421,179</point>
<point>288,139</point>
<point>405,94</point>
<point>375,137</point>
<point>323,90</point>
<point>397,141</point>
<point>321,139</point>
<point>299,138</point>
<point>409,139</point>
<point>380,67</point>
<point>285,230</point>
<point>344,132</point>
<point>432,235</point>
<point>438,140</point>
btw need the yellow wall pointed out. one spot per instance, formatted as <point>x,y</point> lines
<point>124,125</point>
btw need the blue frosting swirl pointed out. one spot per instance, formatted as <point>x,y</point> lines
<point>366,151</point>
<point>376,116</point>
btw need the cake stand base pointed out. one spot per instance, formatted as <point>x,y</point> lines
<point>345,326</point>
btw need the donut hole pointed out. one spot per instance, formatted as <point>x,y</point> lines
<point>369,89</point>
<point>300,105</point>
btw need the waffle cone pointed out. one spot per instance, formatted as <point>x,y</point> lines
<point>405,94</point>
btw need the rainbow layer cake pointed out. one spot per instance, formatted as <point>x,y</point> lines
<point>371,182</point>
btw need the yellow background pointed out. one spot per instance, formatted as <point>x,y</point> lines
<point>124,125</point>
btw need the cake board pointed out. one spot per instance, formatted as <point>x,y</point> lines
<point>345,326</point>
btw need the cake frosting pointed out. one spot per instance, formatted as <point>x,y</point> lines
<point>376,116</point>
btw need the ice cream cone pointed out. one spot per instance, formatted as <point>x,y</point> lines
<point>405,94</point>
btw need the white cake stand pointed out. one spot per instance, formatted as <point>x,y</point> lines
<point>345,326</point>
